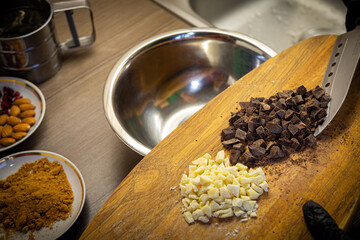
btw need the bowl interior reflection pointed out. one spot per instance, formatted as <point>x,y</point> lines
<point>161,86</point>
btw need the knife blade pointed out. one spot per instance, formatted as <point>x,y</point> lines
<point>339,72</point>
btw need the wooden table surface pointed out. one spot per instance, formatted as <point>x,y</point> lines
<point>75,125</point>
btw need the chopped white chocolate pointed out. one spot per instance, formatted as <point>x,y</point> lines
<point>188,217</point>
<point>214,188</point>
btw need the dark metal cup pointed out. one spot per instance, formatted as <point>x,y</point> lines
<point>28,44</point>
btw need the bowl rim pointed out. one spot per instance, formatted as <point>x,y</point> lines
<point>108,92</point>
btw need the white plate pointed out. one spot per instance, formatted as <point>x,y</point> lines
<point>11,164</point>
<point>30,91</point>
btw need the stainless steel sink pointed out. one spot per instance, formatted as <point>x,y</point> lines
<point>278,24</point>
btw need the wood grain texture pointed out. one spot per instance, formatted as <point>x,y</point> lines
<point>144,207</point>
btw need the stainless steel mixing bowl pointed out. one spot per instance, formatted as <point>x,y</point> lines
<point>162,81</point>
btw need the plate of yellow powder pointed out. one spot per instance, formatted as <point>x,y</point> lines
<point>41,195</point>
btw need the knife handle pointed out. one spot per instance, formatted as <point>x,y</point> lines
<point>353,14</point>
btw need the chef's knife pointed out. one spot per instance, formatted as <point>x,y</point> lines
<point>339,72</point>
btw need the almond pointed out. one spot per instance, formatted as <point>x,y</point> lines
<point>19,135</point>
<point>29,120</point>
<point>22,127</point>
<point>6,131</point>
<point>14,110</point>
<point>6,141</point>
<point>13,120</point>
<point>27,113</point>
<point>3,118</point>
<point>20,101</point>
<point>27,106</point>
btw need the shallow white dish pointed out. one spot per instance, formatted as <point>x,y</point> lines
<point>11,164</point>
<point>30,91</point>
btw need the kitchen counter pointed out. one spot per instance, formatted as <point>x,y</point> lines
<point>75,125</point>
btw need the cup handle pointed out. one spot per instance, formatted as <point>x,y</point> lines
<point>76,42</point>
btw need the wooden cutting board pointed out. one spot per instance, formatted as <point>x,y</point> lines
<point>144,206</point>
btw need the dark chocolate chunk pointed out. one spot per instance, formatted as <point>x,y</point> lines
<point>291,93</point>
<point>259,143</point>
<point>261,99</point>
<point>303,128</point>
<point>281,113</point>
<point>254,102</point>
<point>251,136</point>
<point>289,114</point>
<point>276,152</point>
<point>230,142</point>
<point>285,150</point>
<point>282,94</point>
<point>295,119</point>
<point>326,98</point>
<point>240,134</point>
<point>323,104</point>
<point>264,107</point>
<point>239,146</point>
<point>301,90</point>
<point>303,115</point>
<point>252,126</point>
<point>261,131</point>
<point>308,122</point>
<point>310,140</point>
<point>318,114</point>
<point>277,121</point>
<point>247,157</point>
<point>312,104</point>
<point>241,123</point>
<point>294,130</point>
<point>257,151</point>
<point>284,141</point>
<point>290,102</point>
<point>298,99</point>
<point>281,103</point>
<point>228,133</point>
<point>233,118</point>
<point>234,156</point>
<point>263,122</point>
<point>302,107</point>
<point>295,144</point>
<point>321,121</point>
<point>273,98</point>
<point>250,110</point>
<point>318,92</point>
<point>254,119</point>
<point>285,134</point>
<point>270,145</point>
<point>285,124</point>
<point>272,114</point>
<point>274,127</point>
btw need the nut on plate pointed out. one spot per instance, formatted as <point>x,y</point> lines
<point>6,131</point>
<point>27,113</point>
<point>29,120</point>
<point>14,110</point>
<point>3,118</point>
<point>19,135</point>
<point>22,127</point>
<point>7,141</point>
<point>27,106</point>
<point>12,120</point>
<point>21,101</point>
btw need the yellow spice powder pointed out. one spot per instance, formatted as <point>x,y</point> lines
<point>36,196</point>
